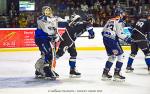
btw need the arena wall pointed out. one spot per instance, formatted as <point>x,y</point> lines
<point>22,39</point>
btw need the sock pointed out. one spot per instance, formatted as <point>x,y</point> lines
<point>147,60</point>
<point>130,61</point>
<point>72,63</point>
<point>118,65</point>
<point>108,65</point>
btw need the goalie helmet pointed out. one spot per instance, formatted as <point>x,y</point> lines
<point>47,11</point>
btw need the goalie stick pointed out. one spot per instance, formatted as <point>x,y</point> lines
<point>53,45</point>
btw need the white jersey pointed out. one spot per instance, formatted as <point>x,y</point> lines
<point>114,28</point>
<point>49,24</point>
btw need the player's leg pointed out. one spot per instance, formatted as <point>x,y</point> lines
<point>144,46</point>
<point>39,72</point>
<point>45,48</point>
<point>119,63</point>
<point>61,50</point>
<point>117,71</point>
<point>108,65</point>
<point>72,62</point>
<point>111,59</point>
<point>39,65</point>
<point>134,50</point>
<point>63,46</point>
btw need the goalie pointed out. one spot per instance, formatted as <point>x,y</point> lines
<point>45,35</point>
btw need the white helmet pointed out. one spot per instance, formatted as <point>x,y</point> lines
<point>46,10</point>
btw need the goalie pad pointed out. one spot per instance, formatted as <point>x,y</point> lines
<point>39,65</point>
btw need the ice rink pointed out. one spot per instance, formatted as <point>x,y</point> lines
<point>17,75</point>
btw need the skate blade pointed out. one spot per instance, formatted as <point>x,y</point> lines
<point>129,71</point>
<point>105,79</point>
<point>118,80</point>
<point>39,77</point>
<point>57,76</point>
<point>74,76</point>
<point>49,78</point>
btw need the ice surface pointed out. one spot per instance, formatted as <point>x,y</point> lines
<point>17,75</point>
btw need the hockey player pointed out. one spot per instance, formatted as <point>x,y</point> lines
<point>140,36</point>
<point>112,32</point>
<point>45,34</point>
<point>75,29</point>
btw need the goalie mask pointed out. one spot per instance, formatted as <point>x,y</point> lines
<point>47,11</point>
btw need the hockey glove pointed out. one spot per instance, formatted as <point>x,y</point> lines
<point>128,40</point>
<point>91,34</point>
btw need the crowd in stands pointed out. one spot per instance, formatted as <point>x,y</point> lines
<point>101,10</point>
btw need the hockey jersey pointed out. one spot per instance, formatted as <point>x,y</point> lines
<point>47,26</point>
<point>78,29</point>
<point>114,29</point>
<point>141,29</point>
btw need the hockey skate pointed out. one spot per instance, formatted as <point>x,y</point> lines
<point>74,74</point>
<point>49,74</point>
<point>118,77</point>
<point>38,75</point>
<point>106,76</point>
<point>129,69</point>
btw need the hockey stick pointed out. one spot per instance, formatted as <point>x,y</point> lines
<point>53,45</point>
<point>83,36</point>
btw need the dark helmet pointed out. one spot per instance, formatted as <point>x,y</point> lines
<point>118,11</point>
<point>75,17</point>
<point>88,17</point>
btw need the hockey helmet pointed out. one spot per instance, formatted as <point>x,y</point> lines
<point>46,10</point>
<point>90,18</point>
<point>75,17</point>
<point>119,11</point>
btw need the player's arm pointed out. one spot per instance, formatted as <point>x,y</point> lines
<point>120,32</point>
<point>91,32</point>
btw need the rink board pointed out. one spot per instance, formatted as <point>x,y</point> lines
<point>22,39</point>
<point>78,48</point>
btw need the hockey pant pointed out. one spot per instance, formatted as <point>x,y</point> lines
<point>45,49</point>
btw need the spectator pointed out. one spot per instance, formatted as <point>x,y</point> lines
<point>84,7</point>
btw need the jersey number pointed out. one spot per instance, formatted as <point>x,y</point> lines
<point>140,24</point>
<point>110,26</point>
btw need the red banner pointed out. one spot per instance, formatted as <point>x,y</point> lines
<point>18,37</point>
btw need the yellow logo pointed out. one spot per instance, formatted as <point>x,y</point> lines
<point>8,36</point>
